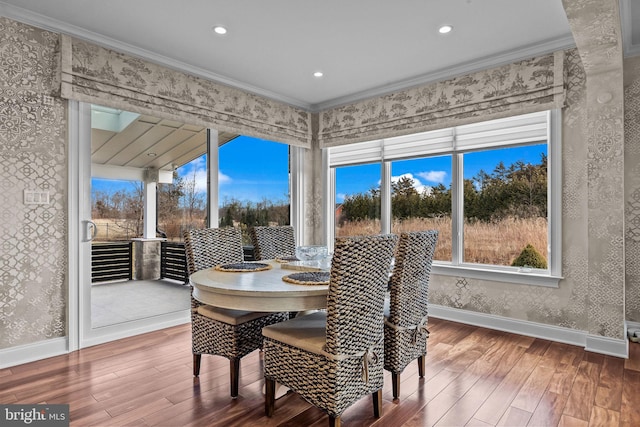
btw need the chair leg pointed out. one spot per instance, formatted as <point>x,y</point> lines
<point>395,384</point>
<point>377,403</point>
<point>334,421</point>
<point>196,364</point>
<point>234,369</point>
<point>269,397</point>
<point>421,364</point>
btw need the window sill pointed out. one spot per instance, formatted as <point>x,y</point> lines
<point>517,277</point>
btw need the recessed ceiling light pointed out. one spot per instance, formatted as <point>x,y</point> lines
<point>220,29</point>
<point>151,154</point>
<point>445,29</point>
<point>318,74</point>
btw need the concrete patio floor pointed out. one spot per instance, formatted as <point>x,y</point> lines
<point>118,302</point>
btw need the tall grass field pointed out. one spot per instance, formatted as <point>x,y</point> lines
<point>495,243</point>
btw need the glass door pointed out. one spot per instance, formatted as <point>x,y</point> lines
<point>119,289</point>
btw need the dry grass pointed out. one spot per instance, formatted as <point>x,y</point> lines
<point>496,243</point>
<point>114,229</point>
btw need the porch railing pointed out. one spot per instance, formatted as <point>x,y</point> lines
<point>114,261</point>
<point>111,261</point>
<point>173,262</point>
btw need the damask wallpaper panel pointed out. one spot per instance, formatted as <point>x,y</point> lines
<point>632,187</point>
<point>33,261</point>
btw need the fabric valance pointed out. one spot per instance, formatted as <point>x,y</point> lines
<point>91,73</point>
<point>522,87</point>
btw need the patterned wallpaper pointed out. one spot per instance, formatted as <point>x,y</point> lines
<point>33,262</point>
<point>632,187</point>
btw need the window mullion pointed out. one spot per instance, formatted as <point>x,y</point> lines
<point>385,198</point>
<point>457,205</point>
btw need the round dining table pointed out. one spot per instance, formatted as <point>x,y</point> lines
<point>258,290</point>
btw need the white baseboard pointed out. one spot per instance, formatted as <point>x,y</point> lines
<point>57,346</point>
<point>594,343</point>
<point>142,326</point>
<point>31,352</point>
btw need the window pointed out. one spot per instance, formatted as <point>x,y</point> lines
<point>253,184</point>
<point>358,211</point>
<point>421,199</point>
<point>491,189</point>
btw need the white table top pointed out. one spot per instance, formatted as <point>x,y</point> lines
<point>256,290</point>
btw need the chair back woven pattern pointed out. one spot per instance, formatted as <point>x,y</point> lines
<point>409,297</point>
<point>206,248</point>
<point>273,241</point>
<point>357,285</point>
<point>355,304</point>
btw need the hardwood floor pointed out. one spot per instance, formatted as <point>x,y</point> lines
<point>474,377</point>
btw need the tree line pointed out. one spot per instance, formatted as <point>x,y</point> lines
<point>518,190</point>
<point>181,206</point>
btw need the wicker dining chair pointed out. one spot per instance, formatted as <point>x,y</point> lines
<point>332,358</point>
<point>405,323</point>
<point>270,242</point>
<point>218,331</point>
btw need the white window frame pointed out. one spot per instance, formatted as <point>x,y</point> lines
<point>513,131</point>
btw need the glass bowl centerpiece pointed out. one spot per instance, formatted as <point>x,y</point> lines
<point>311,252</point>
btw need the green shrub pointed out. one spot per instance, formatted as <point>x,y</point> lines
<point>530,257</point>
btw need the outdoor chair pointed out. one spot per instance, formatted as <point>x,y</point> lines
<point>405,323</point>
<point>271,242</point>
<point>332,358</point>
<point>218,331</point>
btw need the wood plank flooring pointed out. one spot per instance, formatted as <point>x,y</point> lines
<point>474,377</point>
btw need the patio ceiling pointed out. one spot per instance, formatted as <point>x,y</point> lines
<point>123,139</point>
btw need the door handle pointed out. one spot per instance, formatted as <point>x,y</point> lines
<point>91,231</point>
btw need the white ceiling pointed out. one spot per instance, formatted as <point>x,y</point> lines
<point>364,47</point>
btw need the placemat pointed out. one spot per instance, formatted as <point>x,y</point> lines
<point>308,278</point>
<point>283,259</point>
<point>240,267</point>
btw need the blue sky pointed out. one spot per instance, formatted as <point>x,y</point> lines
<point>253,170</point>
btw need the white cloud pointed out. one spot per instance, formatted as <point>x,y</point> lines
<point>433,176</point>
<point>201,180</point>
<point>419,186</point>
<point>223,179</point>
<point>340,197</point>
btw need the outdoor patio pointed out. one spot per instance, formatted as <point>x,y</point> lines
<point>123,301</point>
